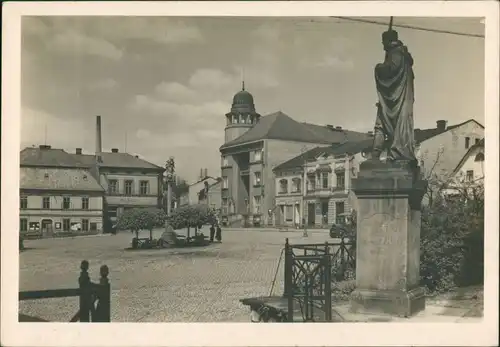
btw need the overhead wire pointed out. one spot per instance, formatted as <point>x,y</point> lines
<point>367,21</point>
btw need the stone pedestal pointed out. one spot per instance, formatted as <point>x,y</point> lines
<point>388,239</point>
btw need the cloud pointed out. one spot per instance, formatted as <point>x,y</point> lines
<point>34,26</point>
<point>205,79</point>
<point>158,29</point>
<point>60,132</point>
<point>174,91</point>
<point>335,63</point>
<point>104,84</point>
<point>73,42</point>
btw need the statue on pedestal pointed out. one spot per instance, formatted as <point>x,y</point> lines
<point>394,80</point>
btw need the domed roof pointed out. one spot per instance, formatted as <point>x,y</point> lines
<point>243,101</point>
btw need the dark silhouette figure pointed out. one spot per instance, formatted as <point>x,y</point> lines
<point>218,234</point>
<point>212,233</point>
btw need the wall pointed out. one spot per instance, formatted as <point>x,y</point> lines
<point>233,131</point>
<point>447,149</point>
<point>35,213</point>
<point>195,188</point>
<point>275,153</point>
<point>214,195</point>
<point>291,198</point>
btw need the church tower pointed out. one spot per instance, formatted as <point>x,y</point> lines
<point>242,116</point>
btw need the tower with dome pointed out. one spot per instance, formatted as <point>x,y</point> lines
<point>242,115</point>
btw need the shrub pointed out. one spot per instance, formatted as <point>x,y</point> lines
<point>452,245</point>
<point>138,219</point>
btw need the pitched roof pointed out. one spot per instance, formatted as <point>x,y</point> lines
<point>471,149</point>
<point>280,126</point>
<point>58,179</point>
<point>425,134</point>
<point>345,148</point>
<point>52,157</point>
<point>118,160</point>
<point>47,157</point>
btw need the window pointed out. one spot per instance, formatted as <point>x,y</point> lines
<point>225,161</point>
<point>144,188</point>
<point>311,184</point>
<point>341,180</point>
<point>85,203</point>
<point>256,204</point>
<point>470,175</point>
<point>224,202</point>
<point>467,142</point>
<point>479,157</point>
<point>85,225</point>
<point>258,155</point>
<point>225,183</point>
<point>23,224</point>
<point>324,180</point>
<point>93,226</point>
<point>283,186</point>
<point>128,187</point>
<point>24,202</point>
<point>476,141</point>
<point>297,183</point>
<point>257,178</point>
<point>66,203</point>
<point>113,186</point>
<point>46,203</point>
<point>66,224</point>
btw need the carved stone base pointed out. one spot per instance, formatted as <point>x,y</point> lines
<point>394,303</point>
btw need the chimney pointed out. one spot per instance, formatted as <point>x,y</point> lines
<point>114,150</point>
<point>370,133</point>
<point>206,173</point>
<point>78,151</point>
<point>201,174</point>
<point>441,125</point>
<point>98,139</point>
<point>329,126</point>
<point>45,147</point>
<point>338,128</point>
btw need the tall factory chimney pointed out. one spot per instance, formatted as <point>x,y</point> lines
<point>98,140</point>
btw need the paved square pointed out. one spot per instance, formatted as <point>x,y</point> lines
<point>188,285</point>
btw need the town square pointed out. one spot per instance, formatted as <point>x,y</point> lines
<point>252,169</point>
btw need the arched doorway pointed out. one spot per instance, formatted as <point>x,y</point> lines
<point>47,227</point>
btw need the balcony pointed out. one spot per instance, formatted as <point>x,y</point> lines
<point>320,192</point>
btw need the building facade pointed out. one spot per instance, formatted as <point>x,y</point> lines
<point>315,187</point>
<point>254,146</point>
<point>442,148</point>
<point>469,173</point>
<point>56,195</point>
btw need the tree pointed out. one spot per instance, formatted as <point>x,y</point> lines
<point>191,216</point>
<point>138,219</point>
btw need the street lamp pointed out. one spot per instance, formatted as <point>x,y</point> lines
<point>304,185</point>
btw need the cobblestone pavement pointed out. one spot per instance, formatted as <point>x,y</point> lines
<point>166,285</point>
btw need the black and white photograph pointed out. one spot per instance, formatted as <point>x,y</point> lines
<point>251,167</point>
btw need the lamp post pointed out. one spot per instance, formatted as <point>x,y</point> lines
<point>169,178</point>
<point>304,150</point>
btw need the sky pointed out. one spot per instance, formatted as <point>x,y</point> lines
<point>162,85</point>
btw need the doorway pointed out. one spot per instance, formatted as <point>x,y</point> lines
<point>311,213</point>
<point>47,227</point>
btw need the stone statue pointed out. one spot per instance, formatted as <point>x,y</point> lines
<point>394,81</point>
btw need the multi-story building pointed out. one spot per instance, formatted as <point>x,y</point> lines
<point>440,149</point>
<point>469,173</point>
<point>254,145</point>
<point>126,180</point>
<point>315,187</point>
<point>57,194</point>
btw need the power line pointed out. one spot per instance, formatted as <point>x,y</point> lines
<point>367,21</point>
